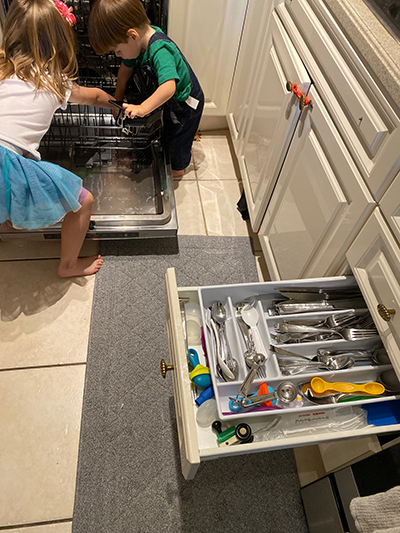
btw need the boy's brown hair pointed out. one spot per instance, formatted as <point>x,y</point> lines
<point>110,20</point>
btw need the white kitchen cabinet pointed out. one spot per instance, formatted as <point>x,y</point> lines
<point>374,258</point>
<point>310,183</point>
<point>198,444</point>
<point>368,124</point>
<point>272,116</point>
<point>255,27</point>
<point>319,204</point>
<point>390,207</point>
<point>208,33</point>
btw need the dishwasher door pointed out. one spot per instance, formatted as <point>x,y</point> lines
<point>126,171</point>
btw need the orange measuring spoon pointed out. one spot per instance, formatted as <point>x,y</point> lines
<point>320,385</point>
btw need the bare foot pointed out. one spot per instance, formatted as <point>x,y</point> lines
<point>178,173</point>
<point>84,266</point>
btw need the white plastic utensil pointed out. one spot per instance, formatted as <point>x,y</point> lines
<point>250,317</point>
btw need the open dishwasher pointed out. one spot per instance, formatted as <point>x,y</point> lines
<point>125,166</point>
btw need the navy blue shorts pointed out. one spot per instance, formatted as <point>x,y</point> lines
<point>181,123</point>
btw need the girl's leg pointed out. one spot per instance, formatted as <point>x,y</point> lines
<point>73,231</point>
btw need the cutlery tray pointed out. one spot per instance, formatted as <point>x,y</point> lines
<point>229,296</point>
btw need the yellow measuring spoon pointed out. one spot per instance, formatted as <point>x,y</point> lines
<point>320,385</point>
<point>307,386</point>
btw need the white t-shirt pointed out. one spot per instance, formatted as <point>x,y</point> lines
<point>26,114</point>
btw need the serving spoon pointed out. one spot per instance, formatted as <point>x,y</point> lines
<point>250,317</point>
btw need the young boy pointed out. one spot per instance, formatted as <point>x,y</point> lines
<point>122,26</point>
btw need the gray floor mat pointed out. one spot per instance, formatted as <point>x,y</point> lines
<point>129,477</point>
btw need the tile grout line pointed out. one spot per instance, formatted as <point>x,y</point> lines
<point>201,201</point>
<point>41,366</point>
<point>35,524</point>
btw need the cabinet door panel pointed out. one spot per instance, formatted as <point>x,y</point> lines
<point>319,203</point>
<point>390,206</point>
<point>272,118</point>
<point>208,33</point>
<point>255,27</point>
<point>347,88</point>
<point>374,258</point>
<point>365,119</point>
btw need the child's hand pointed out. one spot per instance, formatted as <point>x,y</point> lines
<point>133,111</point>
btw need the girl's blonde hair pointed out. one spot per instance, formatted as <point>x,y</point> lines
<point>38,46</point>
<point>110,20</point>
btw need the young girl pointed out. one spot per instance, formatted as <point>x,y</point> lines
<point>122,26</point>
<point>37,71</point>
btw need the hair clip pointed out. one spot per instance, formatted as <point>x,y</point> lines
<point>65,11</point>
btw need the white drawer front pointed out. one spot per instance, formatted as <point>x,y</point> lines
<point>199,444</point>
<point>374,258</point>
<point>183,396</point>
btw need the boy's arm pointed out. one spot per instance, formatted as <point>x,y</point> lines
<point>161,95</point>
<point>90,96</point>
<point>124,73</point>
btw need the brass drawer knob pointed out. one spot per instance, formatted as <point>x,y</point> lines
<point>165,368</point>
<point>385,313</point>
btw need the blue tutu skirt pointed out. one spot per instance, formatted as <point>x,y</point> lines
<point>35,194</point>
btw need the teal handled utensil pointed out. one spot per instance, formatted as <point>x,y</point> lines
<point>286,392</point>
<point>200,375</point>
<point>235,405</point>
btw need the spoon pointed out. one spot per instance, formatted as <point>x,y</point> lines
<point>258,359</point>
<point>226,373</point>
<point>338,397</point>
<point>390,381</point>
<point>218,313</point>
<point>320,385</point>
<point>250,317</point>
<point>336,363</point>
<point>251,353</point>
<point>290,368</point>
<point>253,357</point>
<point>379,355</point>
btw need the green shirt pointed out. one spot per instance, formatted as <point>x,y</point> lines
<point>168,64</point>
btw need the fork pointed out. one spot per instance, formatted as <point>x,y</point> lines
<point>344,332</point>
<point>332,321</point>
<point>353,334</point>
<point>337,320</point>
<point>287,327</point>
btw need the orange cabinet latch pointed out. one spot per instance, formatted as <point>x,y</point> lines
<point>294,88</point>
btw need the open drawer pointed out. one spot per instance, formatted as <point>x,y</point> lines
<point>199,444</point>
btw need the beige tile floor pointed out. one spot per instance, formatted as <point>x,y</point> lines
<point>44,329</point>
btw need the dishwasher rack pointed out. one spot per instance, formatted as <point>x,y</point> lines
<point>90,135</point>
